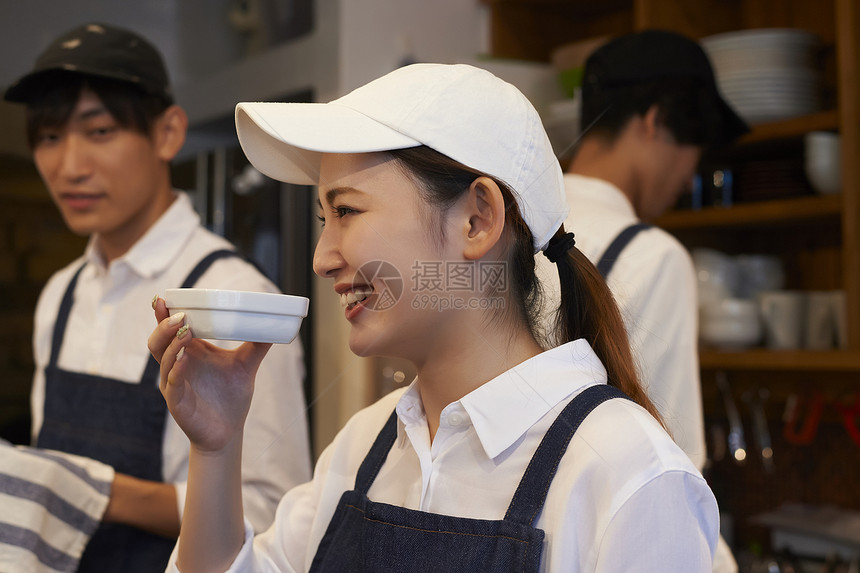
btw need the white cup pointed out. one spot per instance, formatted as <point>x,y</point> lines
<point>837,301</point>
<point>820,330</point>
<point>823,161</point>
<point>783,313</point>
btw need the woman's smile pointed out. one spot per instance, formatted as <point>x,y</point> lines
<point>355,296</point>
<point>373,233</point>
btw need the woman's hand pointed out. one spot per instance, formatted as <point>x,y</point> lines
<point>208,389</point>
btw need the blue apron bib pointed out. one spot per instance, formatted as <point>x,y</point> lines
<point>119,424</point>
<point>364,535</point>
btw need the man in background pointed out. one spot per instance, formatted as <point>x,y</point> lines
<point>650,108</point>
<point>103,127</point>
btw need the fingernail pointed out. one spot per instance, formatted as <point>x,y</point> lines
<point>181,332</point>
<point>175,319</point>
<point>154,301</point>
<point>180,354</point>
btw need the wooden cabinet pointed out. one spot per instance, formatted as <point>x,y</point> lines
<point>816,236</point>
<point>531,29</point>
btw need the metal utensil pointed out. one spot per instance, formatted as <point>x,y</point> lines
<point>755,402</point>
<point>718,439</point>
<point>737,445</point>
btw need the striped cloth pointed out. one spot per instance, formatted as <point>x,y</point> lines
<point>50,505</point>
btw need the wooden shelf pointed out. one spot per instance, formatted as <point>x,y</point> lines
<point>778,211</point>
<point>795,127</point>
<point>817,237</point>
<point>795,360</point>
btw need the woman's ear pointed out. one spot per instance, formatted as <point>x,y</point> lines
<point>169,132</point>
<point>484,208</point>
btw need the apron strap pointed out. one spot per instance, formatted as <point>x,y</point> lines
<point>204,265</point>
<point>152,367</point>
<point>610,255</point>
<point>376,456</point>
<point>531,494</point>
<point>63,317</point>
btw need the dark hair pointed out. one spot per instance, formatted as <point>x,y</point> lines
<point>686,107</point>
<point>129,105</point>
<point>587,310</point>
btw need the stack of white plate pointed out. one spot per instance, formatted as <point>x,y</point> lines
<point>766,74</point>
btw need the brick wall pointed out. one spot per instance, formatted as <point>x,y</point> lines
<point>34,242</point>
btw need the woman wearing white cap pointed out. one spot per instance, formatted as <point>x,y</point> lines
<point>510,450</point>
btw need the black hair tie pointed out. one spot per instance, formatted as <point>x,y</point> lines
<point>558,247</point>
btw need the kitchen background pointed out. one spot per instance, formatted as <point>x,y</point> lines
<point>779,211</point>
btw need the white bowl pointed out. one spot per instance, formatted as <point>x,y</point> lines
<point>730,323</point>
<point>717,275</point>
<point>759,273</point>
<point>239,315</point>
<point>786,40</point>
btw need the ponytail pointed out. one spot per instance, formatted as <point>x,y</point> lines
<point>588,310</point>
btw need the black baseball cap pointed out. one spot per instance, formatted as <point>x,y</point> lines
<point>654,55</point>
<point>98,50</point>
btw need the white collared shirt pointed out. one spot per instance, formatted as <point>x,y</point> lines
<point>112,319</point>
<point>625,497</point>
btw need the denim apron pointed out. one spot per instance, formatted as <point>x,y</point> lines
<point>368,536</point>
<point>119,424</point>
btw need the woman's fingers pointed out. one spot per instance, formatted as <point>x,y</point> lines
<point>174,370</point>
<point>160,308</point>
<point>167,328</point>
<point>173,332</point>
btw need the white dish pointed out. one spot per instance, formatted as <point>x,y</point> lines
<point>754,87</point>
<point>764,59</point>
<point>787,98</point>
<point>770,73</point>
<point>771,111</point>
<point>772,108</point>
<point>760,38</point>
<point>730,323</point>
<point>772,99</point>
<point>717,275</point>
<point>239,315</point>
<point>759,272</point>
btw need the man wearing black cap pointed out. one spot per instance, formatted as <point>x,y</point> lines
<point>650,108</point>
<point>103,127</point>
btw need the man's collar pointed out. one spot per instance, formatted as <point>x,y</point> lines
<point>156,250</point>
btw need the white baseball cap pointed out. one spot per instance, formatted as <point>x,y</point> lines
<point>461,111</point>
